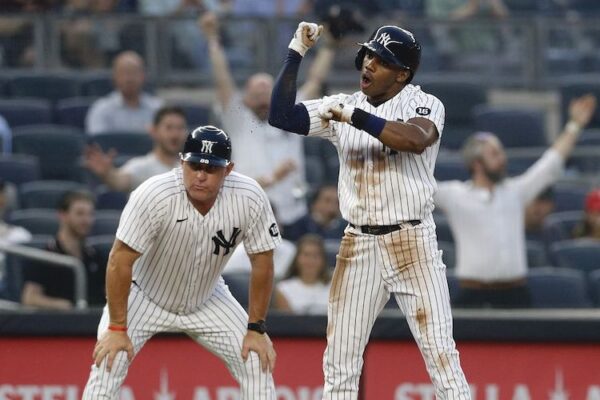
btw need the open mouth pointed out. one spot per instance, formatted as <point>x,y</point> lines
<point>365,81</point>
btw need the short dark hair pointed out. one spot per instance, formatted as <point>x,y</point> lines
<point>167,110</point>
<point>68,198</point>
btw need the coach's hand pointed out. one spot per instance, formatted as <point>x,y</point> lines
<point>111,343</point>
<point>260,344</point>
<point>306,36</point>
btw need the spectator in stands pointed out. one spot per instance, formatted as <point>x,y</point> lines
<point>590,226</point>
<point>305,290</point>
<point>283,255</point>
<point>168,131</point>
<point>275,160</point>
<point>53,287</point>
<point>486,214</point>
<point>536,213</point>
<point>324,218</point>
<point>9,234</point>
<point>128,108</point>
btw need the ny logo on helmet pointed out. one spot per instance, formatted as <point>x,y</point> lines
<point>207,146</point>
<point>385,39</point>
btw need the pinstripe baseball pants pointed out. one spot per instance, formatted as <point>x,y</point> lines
<point>408,264</point>
<point>219,326</point>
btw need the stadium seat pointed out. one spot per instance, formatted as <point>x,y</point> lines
<point>196,115</point>
<point>19,168</point>
<point>36,221</point>
<point>313,145</point>
<point>101,245</point>
<point>559,226</point>
<point>580,254</point>
<point>516,127</point>
<point>51,87</point>
<point>449,253</point>
<point>72,111</point>
<point>451,169</point>
<point>589,137</point>
<point>45,194</point>
<point>519,163</point>
<point>19,112</point>
<point>106,222</point>
<point>536,254</point>
<point>569,91</point>
<point>569,197</point>
<point>459,99</point>
<point>96,85</point>
<point>239,286</point>
<point>58,153</point>
<point>557,288</point>
<point>125,143</point>
<point>332,169</point>
<point>110,200</point>
<point>46,129</point>
<point>594,286</point>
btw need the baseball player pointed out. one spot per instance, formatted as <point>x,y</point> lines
<point>164,272</point>
<point>387,138</point>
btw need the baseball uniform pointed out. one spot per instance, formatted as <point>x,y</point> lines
<point>177,284</point>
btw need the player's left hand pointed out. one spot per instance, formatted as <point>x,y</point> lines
<point>110,344</point>
<point>260,344</point>
<point>332,108</point>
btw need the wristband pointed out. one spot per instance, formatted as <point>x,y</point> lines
<point>259,326</point>
<point>117,328</point>
<point>368,122</point>
<point>572,127</point>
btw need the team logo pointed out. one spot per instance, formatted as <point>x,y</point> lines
<point>222,243</point>
<point>207,146</point>
<point>274,230</point>
<point>384,39</point>
<point>423,111</point>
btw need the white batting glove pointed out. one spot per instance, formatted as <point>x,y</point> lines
<point>332,108</point>
<point>306,36</point>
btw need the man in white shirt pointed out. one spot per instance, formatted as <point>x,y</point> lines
<point>168,130</point>
<point>128,108</point>
<point>486,214</point>
<point>273,157</point>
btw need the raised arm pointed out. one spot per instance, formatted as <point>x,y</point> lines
<point>101,164</point>
<point>581,111</point>
<point>284,112</point>
<point>319,69</point>
<point>225,85</point>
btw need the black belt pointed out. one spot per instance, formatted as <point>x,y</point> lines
<point>384,229</point>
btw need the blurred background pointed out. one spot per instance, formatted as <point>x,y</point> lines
<point>511,67</point>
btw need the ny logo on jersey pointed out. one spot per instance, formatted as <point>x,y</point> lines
<point>220,241</point>
<point>207,146</point>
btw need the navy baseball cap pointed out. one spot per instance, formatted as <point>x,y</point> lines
<point>207,145</point>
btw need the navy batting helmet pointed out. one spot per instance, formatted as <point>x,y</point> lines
<point>394,45</point>
<point>207,145</point>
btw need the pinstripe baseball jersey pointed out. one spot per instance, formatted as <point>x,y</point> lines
<point>184,252</point>
<point>377,185</point>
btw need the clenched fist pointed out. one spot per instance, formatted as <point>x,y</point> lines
<point>306,36</point>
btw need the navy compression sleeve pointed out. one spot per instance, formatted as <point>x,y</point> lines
<point>284,113</point>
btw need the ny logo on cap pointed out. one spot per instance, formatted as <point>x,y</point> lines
<point>207,146</point>
<point>385,39</point>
